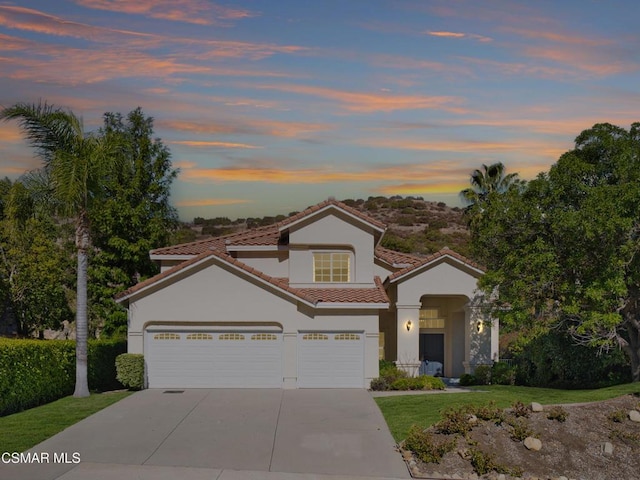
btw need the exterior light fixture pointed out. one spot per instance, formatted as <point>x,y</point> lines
<point>409,325</point>
<point>480,326</point>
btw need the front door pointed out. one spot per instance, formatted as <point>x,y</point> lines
<point>432,352</point>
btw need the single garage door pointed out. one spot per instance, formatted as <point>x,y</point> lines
<point>330,360</point>
<point>214,359</point>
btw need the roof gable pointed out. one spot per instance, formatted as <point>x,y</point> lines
<point>329,205</point>
<point>375,297</point>
<point>435,259</point>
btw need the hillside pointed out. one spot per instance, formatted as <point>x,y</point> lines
<point>414,225</point>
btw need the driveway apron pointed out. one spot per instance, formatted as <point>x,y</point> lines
<point>335,432</point>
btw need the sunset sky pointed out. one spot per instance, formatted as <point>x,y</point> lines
<point>271,106</point>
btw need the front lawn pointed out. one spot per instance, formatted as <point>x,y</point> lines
<point>403,411</point>
<point>23,430</point>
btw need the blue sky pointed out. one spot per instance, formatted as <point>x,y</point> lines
<point>271,106</point>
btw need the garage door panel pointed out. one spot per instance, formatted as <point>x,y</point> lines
<point>330,360</point>
<point>214,360</point>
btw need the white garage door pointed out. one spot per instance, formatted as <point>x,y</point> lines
<point>213,359</point>
<point>330,360</point>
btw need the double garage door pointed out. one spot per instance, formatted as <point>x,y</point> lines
<point>252,359</point>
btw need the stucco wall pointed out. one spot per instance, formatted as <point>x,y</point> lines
<point>331,232</point>
<point>273,263</point>
<point>213,293</point>
<point>441,279</point>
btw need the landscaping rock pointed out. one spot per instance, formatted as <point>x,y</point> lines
<point>532,444</point>
<point>536,407</point>
<point>472,419</point>
<point>465,453</point>
<point>607,449</point>
<point>634,416</point>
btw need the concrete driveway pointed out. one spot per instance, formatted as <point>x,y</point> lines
<point>220,434</point>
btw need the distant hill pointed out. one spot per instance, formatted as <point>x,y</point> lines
<point>413,224</point>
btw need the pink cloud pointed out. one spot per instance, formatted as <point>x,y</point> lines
<point>472,36</point>
<point>205,144</point>
<point>199,12</point>
<point>372,102</point>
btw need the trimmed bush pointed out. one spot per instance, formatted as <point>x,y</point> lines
<point>482,373</point>
<point>130,368</point>
<point>467,379</point>
<point>102,364</point>
<point>33,372</point>
<point>503,374</point>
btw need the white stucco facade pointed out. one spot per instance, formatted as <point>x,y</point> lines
<point>261,285</point>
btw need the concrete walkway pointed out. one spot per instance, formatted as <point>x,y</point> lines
<point>223,434</point>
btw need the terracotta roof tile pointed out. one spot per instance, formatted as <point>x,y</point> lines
<point>441,253</point>
<point>311,295</point>
<point>396,258</point>
<point>320,206</point>
<point>376,294</point>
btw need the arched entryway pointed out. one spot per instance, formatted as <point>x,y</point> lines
<point>442,333</point>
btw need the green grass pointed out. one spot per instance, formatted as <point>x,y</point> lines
<point>403,411</point>
<point>23,430</point>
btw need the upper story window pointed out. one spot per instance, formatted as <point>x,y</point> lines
<point>331,267</point>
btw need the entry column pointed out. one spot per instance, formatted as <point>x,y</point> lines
<point>408,334</point>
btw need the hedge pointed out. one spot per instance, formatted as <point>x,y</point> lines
<point>130,370</point>
<point>33,372</point>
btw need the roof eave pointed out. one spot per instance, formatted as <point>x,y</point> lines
<point>350,305</point>
<point>426,265</point>
<point>287,226</point>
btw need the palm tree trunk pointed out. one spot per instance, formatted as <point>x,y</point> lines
<point>82,330</point>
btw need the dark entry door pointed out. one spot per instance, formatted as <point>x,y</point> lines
<point>432,350</point>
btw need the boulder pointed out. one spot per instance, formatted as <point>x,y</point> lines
<point>532,444</point>
<point>634,416</point>
<point>607,449</point>
<point>536,407</point>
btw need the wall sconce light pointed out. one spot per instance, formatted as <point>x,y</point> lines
<point>480,326</point>
<point>409,325</point>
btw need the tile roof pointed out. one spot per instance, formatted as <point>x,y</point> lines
<point>310,295</point>
<point>376,294</point>
<point>445,252</point>
<point>396,258</point>
<point>336,203</point>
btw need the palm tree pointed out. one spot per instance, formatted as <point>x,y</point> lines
<point>75,162</point>
<point>486,181</point>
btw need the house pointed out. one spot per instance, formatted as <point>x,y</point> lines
<point>313,301</point>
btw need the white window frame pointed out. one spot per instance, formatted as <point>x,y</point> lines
<point>332,265</point>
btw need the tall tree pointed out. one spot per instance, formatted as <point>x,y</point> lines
<point>134,216</point>
<point>76,162</point>
<point>485,183</point>
<point>565,251</point>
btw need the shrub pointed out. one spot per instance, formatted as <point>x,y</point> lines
<point>483,375</point>
<point>434,383</point>
<point>503,374</point>
<point>467,379</point>
<point>520,429</point>
<point>489,412</point>
<point>130,368</point>
<point>484,463</point>
<point>33,372</point>
<point>380,384</point>
<point>102,364</point>
<point>519,409</point>
<point>456,420</point>
<point>558,413</point>
<point>618,416</point>
<point>552,359</point>
<point>423,444</point>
